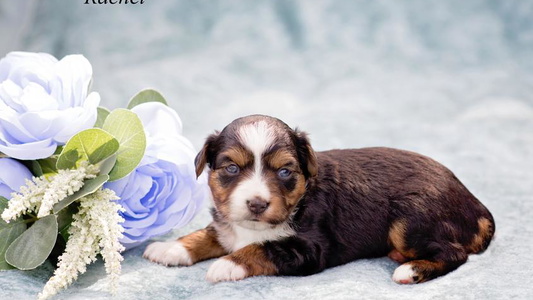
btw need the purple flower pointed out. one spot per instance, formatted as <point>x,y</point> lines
<point>12,176</point>
<point>163,192</point>
<point>43,102</point>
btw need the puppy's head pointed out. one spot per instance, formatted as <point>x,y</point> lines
<point>258,169</point>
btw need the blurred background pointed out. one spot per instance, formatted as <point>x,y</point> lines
<point>449,79</point>
<point>352,73</point>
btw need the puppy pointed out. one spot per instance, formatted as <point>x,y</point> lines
<point>282,209</point>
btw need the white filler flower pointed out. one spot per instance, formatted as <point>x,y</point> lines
<point>95,229</point>
<point>41,193</point>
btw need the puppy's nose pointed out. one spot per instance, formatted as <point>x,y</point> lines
<point>257,205</point>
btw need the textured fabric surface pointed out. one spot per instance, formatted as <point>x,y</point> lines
<point>449,79</point>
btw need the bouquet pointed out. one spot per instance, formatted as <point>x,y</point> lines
<point>80,178</point>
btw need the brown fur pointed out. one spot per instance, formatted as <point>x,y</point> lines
<point>220,194</point>
<point>425,268</point>
<point>281,158</point>
<point>202,244</point>
<point>220,152</point>
<point>236,155</point>
<point>400,252</point>
<point>483,236</point>
<point>295,195</point>
<point>254,260</point>
<point>277,211</point>
<point>340,205</point>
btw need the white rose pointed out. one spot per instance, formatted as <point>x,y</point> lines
<point>162,193</point>
<point>43,102</point>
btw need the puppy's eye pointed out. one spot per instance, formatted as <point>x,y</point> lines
<point>284,173</point>
<point>232,169</point>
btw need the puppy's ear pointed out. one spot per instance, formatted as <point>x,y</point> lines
<point>306,154</point>
<point>206,155</point>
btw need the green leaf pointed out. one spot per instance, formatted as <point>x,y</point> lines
<point>93,145</point>
<point>48,165</point>
<point>36,168</point>
<point>32,247</point>
<point>89,186</point>
<point>8,234</point>
<point>58,150</point>
<point>102,114</point>
<point>4,202</point>
<point>127,128</point>
<point>107,165</point>
<point>64,233</point>
<point>147,95</point>
<point>42,167</point>
<point>64,220</point>
<point>33,166</point>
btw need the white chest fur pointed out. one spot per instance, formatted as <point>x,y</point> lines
<point>236,236</point>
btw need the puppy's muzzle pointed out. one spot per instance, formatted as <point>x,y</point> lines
<point>257,205</point>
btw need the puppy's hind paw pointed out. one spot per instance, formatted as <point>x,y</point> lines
<point>405,274</point>
<point>168,254</point>
<point>225,270</point>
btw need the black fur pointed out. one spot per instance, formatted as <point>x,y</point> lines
<point>349,207</point>
<point>353,202</point>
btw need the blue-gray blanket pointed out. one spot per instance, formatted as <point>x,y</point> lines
<point>449,79</point>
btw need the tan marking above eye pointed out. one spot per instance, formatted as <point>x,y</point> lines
<point>280,159</point>
<point>238,156</point>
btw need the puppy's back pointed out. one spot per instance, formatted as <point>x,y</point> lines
<point>398,185</point>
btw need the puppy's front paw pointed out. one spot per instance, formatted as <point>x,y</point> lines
<point>225,270</point>
<point>168,253</point>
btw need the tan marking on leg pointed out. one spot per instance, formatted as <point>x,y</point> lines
<point>400,252</point>
<point>254,260</point>
<point>424,269</point>
<point>480,240</point>
<point>202,244</point>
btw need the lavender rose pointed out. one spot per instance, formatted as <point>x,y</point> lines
<point>162,193</point>
<point>43,102</point>
<point>12,176</point>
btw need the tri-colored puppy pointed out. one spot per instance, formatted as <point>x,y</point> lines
<point>282,209</point>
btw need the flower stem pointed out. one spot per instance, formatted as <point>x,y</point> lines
<point>32,220</point>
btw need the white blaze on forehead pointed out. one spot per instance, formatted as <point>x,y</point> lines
<point>257,138</point>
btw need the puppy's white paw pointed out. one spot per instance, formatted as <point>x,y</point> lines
<point>168,253</point>
<point>404,274</point>
<point>225,270</point>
